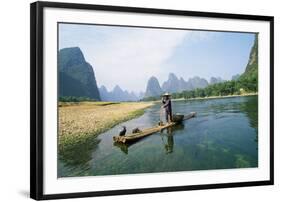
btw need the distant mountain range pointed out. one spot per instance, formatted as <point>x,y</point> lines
<point>235,77</point>
<point>153,87</point>
<point>214,80</point>
<point>77,78</point>
<point>117,94</point>
<point>175,84</point>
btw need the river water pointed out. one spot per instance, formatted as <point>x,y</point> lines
<point>224,135</point>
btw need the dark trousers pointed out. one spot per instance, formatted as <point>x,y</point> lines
<point>167,115</point>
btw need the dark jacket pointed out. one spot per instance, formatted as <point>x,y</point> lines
<point>167,105</point>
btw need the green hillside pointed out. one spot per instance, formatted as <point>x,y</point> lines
<point>250,77</point>
<point>76,76</point>
<point>246,83</point>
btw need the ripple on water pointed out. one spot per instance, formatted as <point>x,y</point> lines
<point>222,136</point>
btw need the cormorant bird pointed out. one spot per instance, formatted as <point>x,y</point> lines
<point>123,131</point>
<point>136,130</point>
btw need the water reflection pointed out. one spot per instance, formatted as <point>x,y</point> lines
<point>169,144</point>
<point>222,136</point>
<point>123,147</point>
<point>251,110</point>
<point>167,138</point>
<point>75,158</point>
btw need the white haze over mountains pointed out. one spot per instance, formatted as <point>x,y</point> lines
<point>127,57</point>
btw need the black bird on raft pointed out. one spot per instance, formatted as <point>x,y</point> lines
<point>123,131</point>
<point>136,130</point>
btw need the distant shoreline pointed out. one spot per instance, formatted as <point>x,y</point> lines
<point>215,97</point>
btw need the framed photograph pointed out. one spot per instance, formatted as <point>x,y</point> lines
<point>129,100</point>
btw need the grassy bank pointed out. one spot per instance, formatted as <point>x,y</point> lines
<point>211,97</point>
<point>222,96</point>
<point>79,123</point>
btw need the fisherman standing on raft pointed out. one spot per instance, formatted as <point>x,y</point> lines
<point>167,105</point>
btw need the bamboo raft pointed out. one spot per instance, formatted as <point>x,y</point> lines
<point>149,131</point>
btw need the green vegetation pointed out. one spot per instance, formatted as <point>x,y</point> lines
<point>241,161</point>
<point>246,83</point>
<point>75,99</point>
<point>71,146</point>
<point>156,98</point>
<point>85,103</point>
<point>76,75</point>
<point>81,122</point>
<point>249,79</point>
<point>239,87</point>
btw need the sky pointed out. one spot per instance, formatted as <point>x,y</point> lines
<point>129,56</point>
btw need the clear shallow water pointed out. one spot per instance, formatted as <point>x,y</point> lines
<point>222,136</point>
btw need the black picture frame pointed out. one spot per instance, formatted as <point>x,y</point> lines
<point>36,98</point>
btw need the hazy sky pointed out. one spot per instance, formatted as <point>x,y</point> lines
<point>130,56</point>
